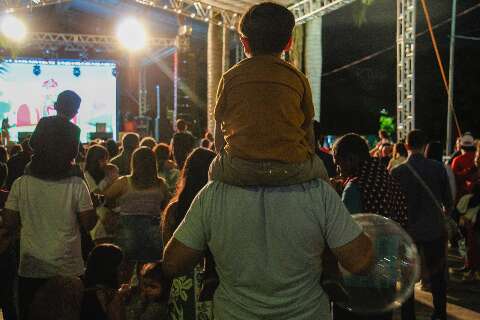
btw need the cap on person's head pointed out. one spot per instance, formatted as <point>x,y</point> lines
<point>268,27</point>
<point>68,103</point>
<point>130,141</point>
<point>467,140</point>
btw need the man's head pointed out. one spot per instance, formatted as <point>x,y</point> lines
<point>467,143</point>
<point>416,141</point>
<point>266,28</point>
<point>130,141</point>
<point>68,103</point>
<point>349,151</point>
<point>181,125</point>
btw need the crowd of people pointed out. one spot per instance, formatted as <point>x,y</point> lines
<point>255,217</point>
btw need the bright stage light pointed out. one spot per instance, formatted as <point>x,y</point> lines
<point>13,28</point>
<point>131,34</point>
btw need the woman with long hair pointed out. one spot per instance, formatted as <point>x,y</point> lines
<point>399,156</point>
<point>140,197</point>
<point>194,178</point>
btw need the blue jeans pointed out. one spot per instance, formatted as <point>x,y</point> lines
<point>140,237</point>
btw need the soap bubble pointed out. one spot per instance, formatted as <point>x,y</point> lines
<point>392,276</point>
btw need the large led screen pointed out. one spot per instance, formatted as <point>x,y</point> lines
<point>29,88</point>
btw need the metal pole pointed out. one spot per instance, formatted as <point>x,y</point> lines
<point>450,78</point>
<point>157,119</point>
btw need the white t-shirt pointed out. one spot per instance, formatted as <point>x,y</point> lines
<point>268,245</point>
<point>50,241</point>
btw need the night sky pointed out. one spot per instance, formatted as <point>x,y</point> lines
<point>352,98</point>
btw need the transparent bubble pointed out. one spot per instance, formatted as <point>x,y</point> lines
<point>392,276</point>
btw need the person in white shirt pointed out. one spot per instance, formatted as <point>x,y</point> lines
<point>48,215</point>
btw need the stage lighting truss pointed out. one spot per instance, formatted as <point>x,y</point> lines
<point>306,10</point>
<point>83,42</point>
<point>11,6</point>
<point>196,10</point>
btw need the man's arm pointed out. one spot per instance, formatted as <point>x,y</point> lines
<point>357,255</point>
<point>88,219</point>
<point>179,259</point>
<point>10,221</point>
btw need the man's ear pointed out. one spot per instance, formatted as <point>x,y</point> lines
<point>289,44</point>
<point>246,45</point>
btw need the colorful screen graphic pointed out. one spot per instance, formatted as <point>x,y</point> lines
<point>29,89</point>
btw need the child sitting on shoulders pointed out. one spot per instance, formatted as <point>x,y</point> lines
<point>149,300</point>
<point>264,110</point>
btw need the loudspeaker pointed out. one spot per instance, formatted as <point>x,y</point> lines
<point>100,135</point>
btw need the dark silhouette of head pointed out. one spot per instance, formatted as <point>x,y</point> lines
<point>96,155</point>
<point>416,140</point>
<point>130,141</point>
<point>267,27</point>
<point>434,151</point>
<point>68,103</point>
<point>112,148</point>
<point>349,152</point>
<point>102,266</point>
<point>181,125</point>
<point>148,142</point>
<point>144,168</point>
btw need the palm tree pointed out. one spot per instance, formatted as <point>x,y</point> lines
<point>360,11</point>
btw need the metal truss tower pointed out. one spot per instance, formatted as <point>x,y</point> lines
<point>406,21</point>
<point>83,42</point>
<point>306,10</point>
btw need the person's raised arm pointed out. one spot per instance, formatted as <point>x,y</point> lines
<point>179,259</point>
<point>116,189</point>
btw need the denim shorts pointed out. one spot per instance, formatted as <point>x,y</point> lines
<point>140,237</point>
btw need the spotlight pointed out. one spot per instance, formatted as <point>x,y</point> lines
<point>37,70</point>
<point>76,71</point>
<point>131,34</point>
<point>13,28</point>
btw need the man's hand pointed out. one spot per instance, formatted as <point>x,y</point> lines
<point>179,259</point>
<point>4,239</point>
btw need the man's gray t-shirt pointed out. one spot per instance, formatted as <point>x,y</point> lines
<point>267,244</point>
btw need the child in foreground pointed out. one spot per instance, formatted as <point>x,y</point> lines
<point>148,301</point>
<point>264,109</point>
